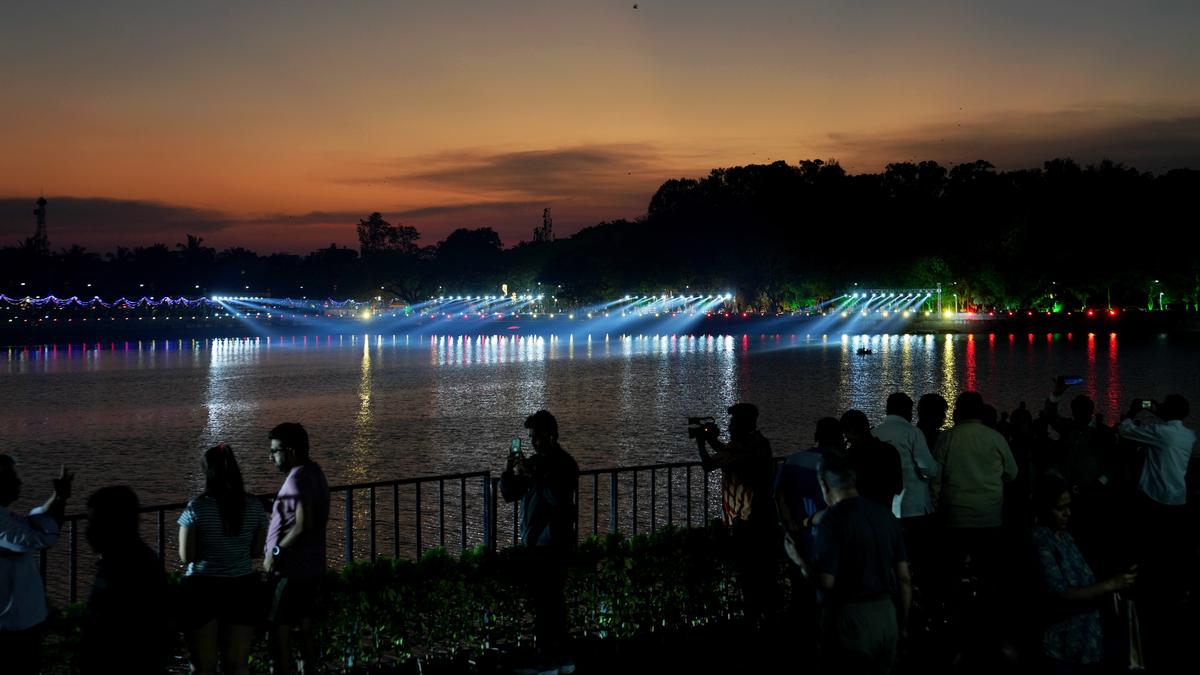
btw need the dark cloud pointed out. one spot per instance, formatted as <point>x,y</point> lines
<point>310,218</point>
<point>530,174</point>
<point>1150,142</point>
<point>470,208</point>
<point>103,224</point>
<point>96,221</point>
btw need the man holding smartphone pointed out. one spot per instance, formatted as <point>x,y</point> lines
<point>547,485</point>
<point>1167,542</point>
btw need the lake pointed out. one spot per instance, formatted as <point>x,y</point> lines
<point>380,407</point>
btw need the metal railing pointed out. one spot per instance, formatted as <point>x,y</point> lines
<point>420,513</point>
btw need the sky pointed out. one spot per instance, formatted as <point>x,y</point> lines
<point>277,125</point>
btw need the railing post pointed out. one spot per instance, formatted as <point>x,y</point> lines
<point>670,495</point>
<point>395,520</point>
<point>442,512</point>
<point>495,526</point>
<point>417,513</point>
<point>653,500</point>
<point>371,518</point>
<point>635,501</point>
<point>613,525</point>
<point>688,490</point>
<point>349,525</point>
<point>462,498</point>
<point>595,504</point>
<point>486,488</point>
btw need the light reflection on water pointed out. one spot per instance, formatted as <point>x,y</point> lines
<point>384,406</point>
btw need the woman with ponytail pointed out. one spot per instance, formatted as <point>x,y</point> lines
<point>220,532</point>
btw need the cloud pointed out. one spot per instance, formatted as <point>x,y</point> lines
<point>528,175</point>
<point>91,220</point>
<point>1149,140</point>
<point>310,218</point>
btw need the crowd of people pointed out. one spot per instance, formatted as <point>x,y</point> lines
<point>1053,542</point>
<point>1050,541</point>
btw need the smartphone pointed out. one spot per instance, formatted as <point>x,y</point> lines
<point>515,448</point>
<point>1072,380</point>
<point>1147,403</point>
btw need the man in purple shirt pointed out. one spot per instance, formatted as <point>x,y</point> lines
<point>295,550</point>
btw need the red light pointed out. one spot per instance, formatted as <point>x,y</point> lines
<point>1112,312</point>
<point>1091,313</point>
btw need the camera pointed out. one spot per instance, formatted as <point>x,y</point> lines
<point>702,427</point>
<point>1071,380</point>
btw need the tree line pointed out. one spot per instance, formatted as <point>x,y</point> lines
<point>781,236</point>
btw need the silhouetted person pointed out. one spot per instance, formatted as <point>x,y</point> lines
<point>1085,448</point>
<point>876,464</point>
<point>1023,440</point>
<point>914,505</point>
<point>1070,636</point>
<point>799,498</point>
<point>547,485</point>
<point>990,417</point>
<point>798,494</point>
<point>295,547</point>
<point>861,567</point>
<point>220,533</point>
<point>747,478</point>
<point>22,595</point>
<point>976,462</point>
<point>931,417</point>
<point>126,627</point>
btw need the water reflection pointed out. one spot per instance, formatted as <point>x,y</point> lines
<point>361,439</point>
<point>949,384</point>
<point>1113,399</point>
<point>384,406</point>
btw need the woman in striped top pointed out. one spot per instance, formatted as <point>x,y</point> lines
<point>220,532</point>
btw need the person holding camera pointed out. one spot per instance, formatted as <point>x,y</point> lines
<point>747,503</point>
<point>22,595</point>
<point>547,485</point>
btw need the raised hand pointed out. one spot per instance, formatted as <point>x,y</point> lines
<point>62,484</point>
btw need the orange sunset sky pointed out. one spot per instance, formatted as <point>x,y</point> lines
<point>276,125</point>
